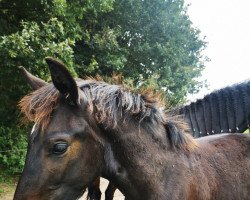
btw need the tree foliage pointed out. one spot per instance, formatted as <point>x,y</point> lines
<point>151,39</point>
<point>148,41</point>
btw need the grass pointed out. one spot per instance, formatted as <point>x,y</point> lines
<point>7,184</point>
<point>6,189</point>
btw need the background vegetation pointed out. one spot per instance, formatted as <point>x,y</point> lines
<point>148,41</point>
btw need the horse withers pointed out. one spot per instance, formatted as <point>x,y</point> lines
<point>86,129</point>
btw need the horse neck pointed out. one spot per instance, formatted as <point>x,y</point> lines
<point>132,154</point>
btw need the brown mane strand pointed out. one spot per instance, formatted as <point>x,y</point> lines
<point>111,103</point>
<point>177,133</point>
<point>38,105</point>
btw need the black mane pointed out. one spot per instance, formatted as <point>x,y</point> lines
<point>224,110</point>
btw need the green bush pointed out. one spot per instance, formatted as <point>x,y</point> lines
<point>13,145</point>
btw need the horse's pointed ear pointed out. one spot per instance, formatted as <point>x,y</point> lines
<point>32,80</point>
<point>63,80</point>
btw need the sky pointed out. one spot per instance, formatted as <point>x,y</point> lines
<point>226,25</point>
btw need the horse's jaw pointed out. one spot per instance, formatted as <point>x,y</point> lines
<point>129,165</point>
<point>117,174</point>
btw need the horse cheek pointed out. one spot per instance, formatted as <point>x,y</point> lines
<point>91,160</point>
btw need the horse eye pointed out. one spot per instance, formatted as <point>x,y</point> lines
<point>60,148</point>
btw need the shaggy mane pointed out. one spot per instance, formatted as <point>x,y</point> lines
<point>109,104</point>
<point>38,105</point>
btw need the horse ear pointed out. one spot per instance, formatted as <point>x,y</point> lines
<point>63,80</point>
<point>32,80</point>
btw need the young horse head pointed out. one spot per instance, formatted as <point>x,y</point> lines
<point>63,147</point>
<point>86,129</point>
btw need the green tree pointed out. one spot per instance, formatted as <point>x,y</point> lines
<point>27,47</point>
<point>149,41</point>
<point>31,31</point>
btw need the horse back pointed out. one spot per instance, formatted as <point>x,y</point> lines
<point>225,160</point>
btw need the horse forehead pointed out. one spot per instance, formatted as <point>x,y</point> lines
<point>65,120</point>
<point>64,114</point>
